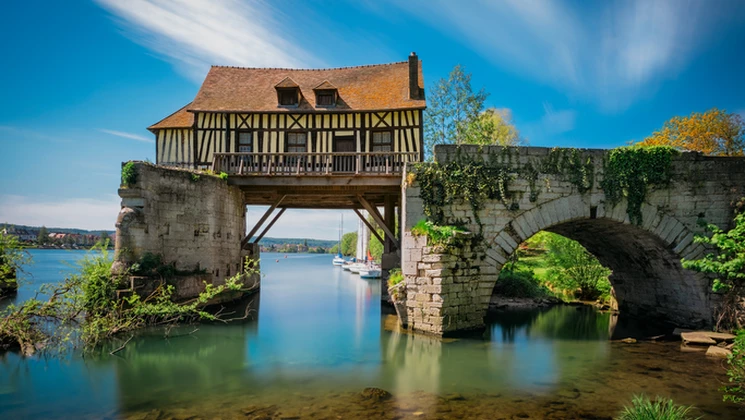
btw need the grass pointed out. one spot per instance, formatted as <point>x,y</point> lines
<point>661,408</point>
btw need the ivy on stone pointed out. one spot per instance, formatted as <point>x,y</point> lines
<point>628,172</point>
<point>469,179</point>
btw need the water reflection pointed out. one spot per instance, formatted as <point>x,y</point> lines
<point>318,338</point>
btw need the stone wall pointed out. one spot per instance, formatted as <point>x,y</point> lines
<point>647,275</point>
<point>193,221</point>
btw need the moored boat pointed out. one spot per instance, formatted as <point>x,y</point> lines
<point>370,273</point>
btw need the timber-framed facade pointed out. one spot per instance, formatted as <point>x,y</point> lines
<point>254,121</point>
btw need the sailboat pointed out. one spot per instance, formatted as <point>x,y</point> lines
<point>371,270</point>
<point>339,259</point>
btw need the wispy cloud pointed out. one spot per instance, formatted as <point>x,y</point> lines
<point>127,135</point>
<point>10,133</point>
<point>613,53</point>
<point>553,122</point>
<point>84,213</point>
<point>196,34</point>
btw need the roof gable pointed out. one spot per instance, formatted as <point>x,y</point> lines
<point>179,119</point>
<point>362,88</point>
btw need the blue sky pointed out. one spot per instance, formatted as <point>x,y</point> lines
<point>82,80</point>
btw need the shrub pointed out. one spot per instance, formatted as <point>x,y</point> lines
<point>735,391</point>
<point>84,307</point>
<point>129,174</point>
<point>438,235</point>
<point>642,408</point>
<point>395,277</point>
<point>519,283</point>
<point>223,176</point>
<point>573,268</point>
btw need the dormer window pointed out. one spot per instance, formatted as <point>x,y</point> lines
<point>326,94</point>
<point>325,98</point>
<point>288,92</point>
<point>287,96</point>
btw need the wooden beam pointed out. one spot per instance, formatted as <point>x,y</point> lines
<point>369,226</point>
<point>269,226</point>
<point>378,219</point>
<point>247,239</point>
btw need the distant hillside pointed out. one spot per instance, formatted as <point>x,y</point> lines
<point>58,230</point>
<point>297,241</point>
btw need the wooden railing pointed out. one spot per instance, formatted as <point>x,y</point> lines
<point>333,163</point>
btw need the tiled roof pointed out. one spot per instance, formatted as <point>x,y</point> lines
<point>179,119</point>
<point>238,89</point>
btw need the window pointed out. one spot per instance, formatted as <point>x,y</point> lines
<point>245,142</point>
<point>287,96</point>
<point>297,142</point>
<point>382,141</point>
<point>325,98</point>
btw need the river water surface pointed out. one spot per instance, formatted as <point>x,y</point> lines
<point>317,337</point>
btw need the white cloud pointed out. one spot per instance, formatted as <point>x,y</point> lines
<point>196,34</point>
<point>613,53</point>
<point>83,213</point>
<point>127,135</point>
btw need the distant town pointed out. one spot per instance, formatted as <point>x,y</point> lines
<point>71,238</point>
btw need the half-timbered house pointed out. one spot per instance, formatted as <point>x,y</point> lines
<point>364,119</point>
<point>294,138</point>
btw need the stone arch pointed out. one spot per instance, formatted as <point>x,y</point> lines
<point>647,274</point>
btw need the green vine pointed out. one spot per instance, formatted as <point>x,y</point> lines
<point>630,171</point>
<point>468,179</point>
<point>569,164</point>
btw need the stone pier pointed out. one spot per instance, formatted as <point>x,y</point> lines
<point>191,222</point>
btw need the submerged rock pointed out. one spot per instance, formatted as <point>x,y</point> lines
<point>697,338</point>
<point>717,352</point>
<point>375,394</point>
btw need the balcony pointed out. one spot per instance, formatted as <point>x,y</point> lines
<point>317,164</point>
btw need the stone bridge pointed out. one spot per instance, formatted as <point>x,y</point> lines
<point>448,288</point>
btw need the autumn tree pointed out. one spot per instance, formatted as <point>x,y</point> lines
<point>493,127</point>
<point>714,132</point>
<point>452,106</point>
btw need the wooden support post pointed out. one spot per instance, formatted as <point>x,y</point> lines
<point>378,219</point>
<point>247,239</point>
<point>390,219</point>
<point>369,226</point>
<point>269,226</point>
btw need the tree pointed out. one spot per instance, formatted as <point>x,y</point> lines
<point>349,243</point>
<point>452,107</point>
<point>12,261</point>
<point>714,132</point>
<point>493,127</point>
<point>43,236</point>
<point>573,268</point>
<point>104,238</point>
<point>727,265</point>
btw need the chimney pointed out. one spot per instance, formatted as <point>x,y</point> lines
<point>414,76</point>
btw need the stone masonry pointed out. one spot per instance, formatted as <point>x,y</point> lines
<point>194,222</point>
<point>448,288</point>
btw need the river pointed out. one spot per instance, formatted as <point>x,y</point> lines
<point>317,337</point>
